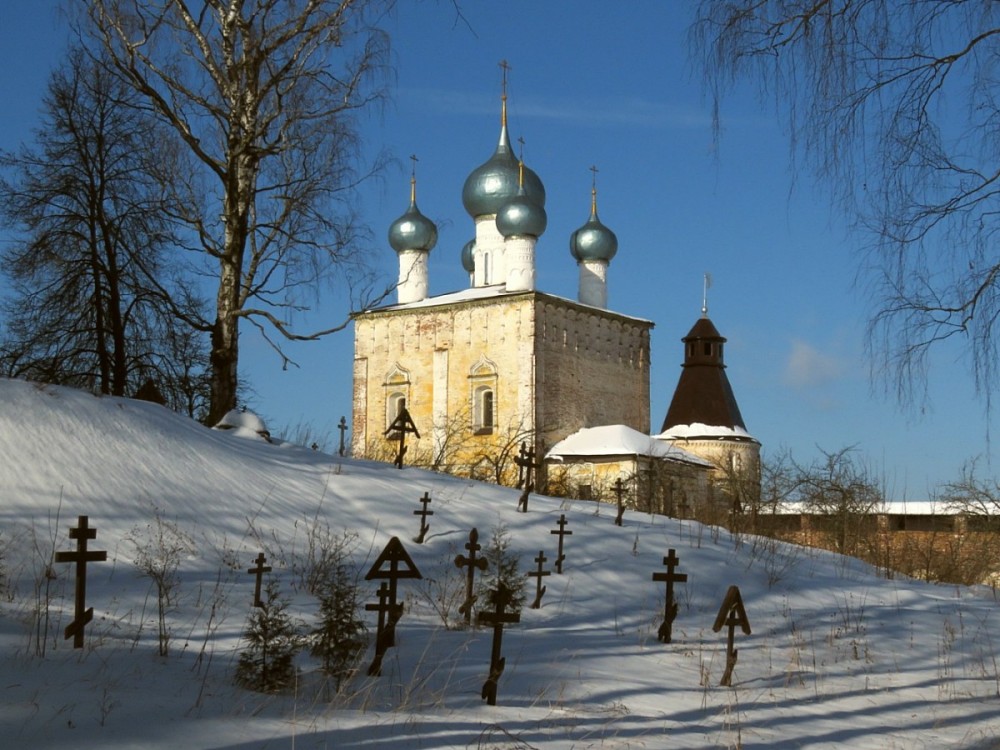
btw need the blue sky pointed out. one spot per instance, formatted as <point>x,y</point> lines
<point>589,86</point>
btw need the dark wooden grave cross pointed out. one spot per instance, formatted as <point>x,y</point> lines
<point>259,571</point>
<point>665,632</point>
<point>343,429</point>
<point>423,513</point>
<point>81,556</point>
<point>392,564</point>
<point>472,562</point>
<point>526,466</point>
<point>561,531</point>
<point>498,618</point>
<point>619,490</point>
<point>385,635</point>
<point>731,613</point>
<point>538,575</point>
<point>400,426</point>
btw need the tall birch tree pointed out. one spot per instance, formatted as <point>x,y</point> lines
<point>264,96</point>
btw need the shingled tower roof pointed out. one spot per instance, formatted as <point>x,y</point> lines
<point>703,394</point>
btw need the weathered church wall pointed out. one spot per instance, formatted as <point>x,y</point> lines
<point>593,369</point>
<point>553,367</point>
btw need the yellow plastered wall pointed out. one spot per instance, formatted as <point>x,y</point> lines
<point>555,367</point>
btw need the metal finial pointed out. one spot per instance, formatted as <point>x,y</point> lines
<point>520,163</point>
<point>593,189</point>
<point>505,67</point>
<point>704,294</point>
<point>413,179</point>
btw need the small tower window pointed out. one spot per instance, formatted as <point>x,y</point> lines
<point>708,348</point>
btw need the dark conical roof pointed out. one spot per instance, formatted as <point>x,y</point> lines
<point>703,394</point>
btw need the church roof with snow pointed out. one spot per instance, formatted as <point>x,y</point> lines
<point>618,440</point>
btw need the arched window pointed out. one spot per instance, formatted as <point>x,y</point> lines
<point>483,390</point>
<point>397,391</point>
<point>484,415</point>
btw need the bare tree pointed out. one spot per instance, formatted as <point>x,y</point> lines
<point>87,307</point>
<point>263,96</point>
<point>974,496</point>
<point>895,106</point>
<point>844,492</point>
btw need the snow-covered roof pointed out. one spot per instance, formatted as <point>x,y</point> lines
<point>699,431</point>
<point>619,440</point>
<point>493,291</point>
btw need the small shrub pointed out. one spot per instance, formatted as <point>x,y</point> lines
<point>504,568</point>
<point>341,638</point>
<point>273,640</point>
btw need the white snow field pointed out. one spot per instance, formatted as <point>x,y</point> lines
<point>838,656</point>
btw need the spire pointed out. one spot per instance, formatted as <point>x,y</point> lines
<point>504,66</point>
<point>704,294</point>
<point>413,180</point>
<point>593,190</point>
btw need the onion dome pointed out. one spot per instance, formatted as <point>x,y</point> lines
<point>495,182</point>
<point>468,261</point>
<point>521,216</point>
<point>593,241</point>
<point>412,230</point>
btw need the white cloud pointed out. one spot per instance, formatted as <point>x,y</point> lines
<point>807,366</point>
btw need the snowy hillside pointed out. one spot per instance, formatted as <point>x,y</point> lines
<point>837,656</point>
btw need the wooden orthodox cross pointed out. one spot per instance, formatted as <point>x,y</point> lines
<point>665,632</point>
<point>423,513</point>
<point>259,571</point>
<point>619,490</point>
<point>400,426</point>
<point>81,556</point>
<point>538,575</point>
<point>343,429</point>
<point>561,531</point>
<point>526,466</point>
<point>731,613</point>
<point>385,634</point>
<point>392,564</point>
<point>472,562</point>
<point>497,618</point>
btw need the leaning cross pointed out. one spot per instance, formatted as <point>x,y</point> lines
<point>343,429</point>
<point>259,571</point>
<point>401,425</point>
<point>731,613</point>
<point>472,562</point>
<point>501,599</point>
<point>561,531</point>
<point>423,513</point>
<point>538,575</point>
<point>665,632</point>
<point>619,490</point>
<point>526,466</point>
<point>81,556</point>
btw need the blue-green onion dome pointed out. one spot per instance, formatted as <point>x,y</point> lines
<point>412,230</point>
<point>468,261</point>
<point>593,241</point>
<point>521,217</point>
<point>495,183</point>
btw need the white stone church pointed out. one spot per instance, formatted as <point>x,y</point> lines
<point>486,369</point>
